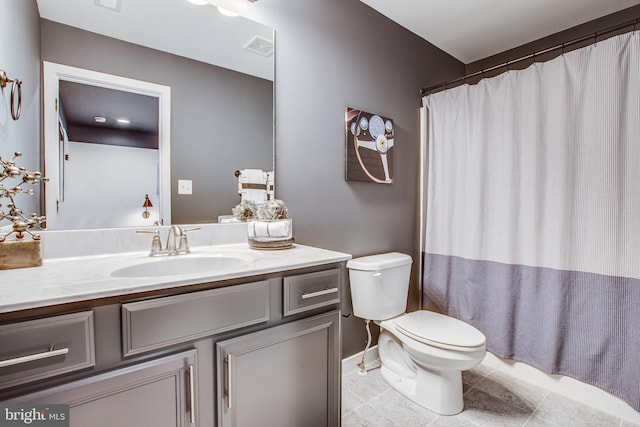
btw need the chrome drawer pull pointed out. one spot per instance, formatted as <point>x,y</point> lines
<point>32,357</point>
<point>319,293</point>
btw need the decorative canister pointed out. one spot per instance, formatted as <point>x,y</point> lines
<point>270,233</point>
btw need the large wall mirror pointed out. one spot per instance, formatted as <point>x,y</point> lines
<point>208,79</point>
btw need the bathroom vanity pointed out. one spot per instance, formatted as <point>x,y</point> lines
<point>255,343</point>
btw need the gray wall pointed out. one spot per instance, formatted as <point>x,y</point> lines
<point>209,140</point>
<point>331,54</point>
<point>20,58</point>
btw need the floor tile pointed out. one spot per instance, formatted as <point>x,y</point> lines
<point>536,421</point>
<point>366,416</point>
<point>481,370</point>
<point>485,409</point>
<point>451,421</point>
<point>513,391</point>
<point>566,412</point>
<point>471,378</point>
<point>365,386</point>
<point>492,399</point>
<point>401,410</point>
<point>350,401</point>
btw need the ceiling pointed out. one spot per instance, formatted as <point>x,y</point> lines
<point>174,26</point>
<point>470,30</point>
<point>81,103</point>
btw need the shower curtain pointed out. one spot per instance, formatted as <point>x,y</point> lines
<point>533,213</point>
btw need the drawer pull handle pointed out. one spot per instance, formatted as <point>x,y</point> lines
<point>320,293</point>
<point>32,357</point>
<point>192,396</point>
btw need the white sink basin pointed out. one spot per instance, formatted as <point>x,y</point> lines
<point>179,265</point>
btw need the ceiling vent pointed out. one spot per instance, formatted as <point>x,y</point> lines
<point>109,4</point>
<point>260,45</point>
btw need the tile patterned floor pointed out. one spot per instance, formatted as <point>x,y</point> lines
<point>491,399</point>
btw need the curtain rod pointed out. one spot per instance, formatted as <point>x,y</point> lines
<point>594,36</point>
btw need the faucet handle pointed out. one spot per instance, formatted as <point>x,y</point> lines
<point>184,243</point>
<point>156,244</point>
<point>156,231</point>
<point>190,229</point>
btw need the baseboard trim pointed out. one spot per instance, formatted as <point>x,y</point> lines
<point>351,363</point>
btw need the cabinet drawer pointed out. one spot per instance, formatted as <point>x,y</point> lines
<point>43,348</point>
<point>161,322</point>
<point>308,291</point>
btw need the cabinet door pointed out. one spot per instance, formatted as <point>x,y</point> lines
<point>286,376</point>
<point>158,393</point>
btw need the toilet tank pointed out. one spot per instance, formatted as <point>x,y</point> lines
<point>379,285</point>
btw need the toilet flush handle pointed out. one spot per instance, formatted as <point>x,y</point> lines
<point>378,274</point>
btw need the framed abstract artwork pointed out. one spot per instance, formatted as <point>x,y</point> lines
<point>369,147</point>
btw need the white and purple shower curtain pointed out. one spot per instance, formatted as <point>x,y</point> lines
<point>533,213</point>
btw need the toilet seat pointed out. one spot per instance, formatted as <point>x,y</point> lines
<point>441,331</point>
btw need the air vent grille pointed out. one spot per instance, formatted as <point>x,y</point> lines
<point>115,5</point>
<point>260,45</point>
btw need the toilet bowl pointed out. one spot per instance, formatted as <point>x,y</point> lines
<point>422,353</point>
<point>425,367</point>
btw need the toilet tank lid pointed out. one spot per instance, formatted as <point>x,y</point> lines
<point>379,262</point>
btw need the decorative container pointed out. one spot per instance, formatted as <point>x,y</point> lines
<point>20,254</point>
<point>270,234</point>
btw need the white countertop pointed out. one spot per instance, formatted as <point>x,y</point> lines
<point>73,279</point>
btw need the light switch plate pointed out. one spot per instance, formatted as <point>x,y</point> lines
<point>184,186</point>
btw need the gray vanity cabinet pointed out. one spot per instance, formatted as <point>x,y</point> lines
<point>286,376</point>
<point>157,393</point>
<point>259,351</point>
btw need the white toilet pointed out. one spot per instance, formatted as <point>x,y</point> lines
<point>423,353</point>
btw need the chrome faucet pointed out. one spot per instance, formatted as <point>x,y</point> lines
<point>177,242</point>
<point>173,246</point>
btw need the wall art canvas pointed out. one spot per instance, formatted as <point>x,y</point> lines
<point>369,147</point>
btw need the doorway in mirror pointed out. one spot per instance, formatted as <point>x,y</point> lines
<point>106,147</point>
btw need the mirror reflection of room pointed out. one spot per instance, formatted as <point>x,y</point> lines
<point>109,157</point>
